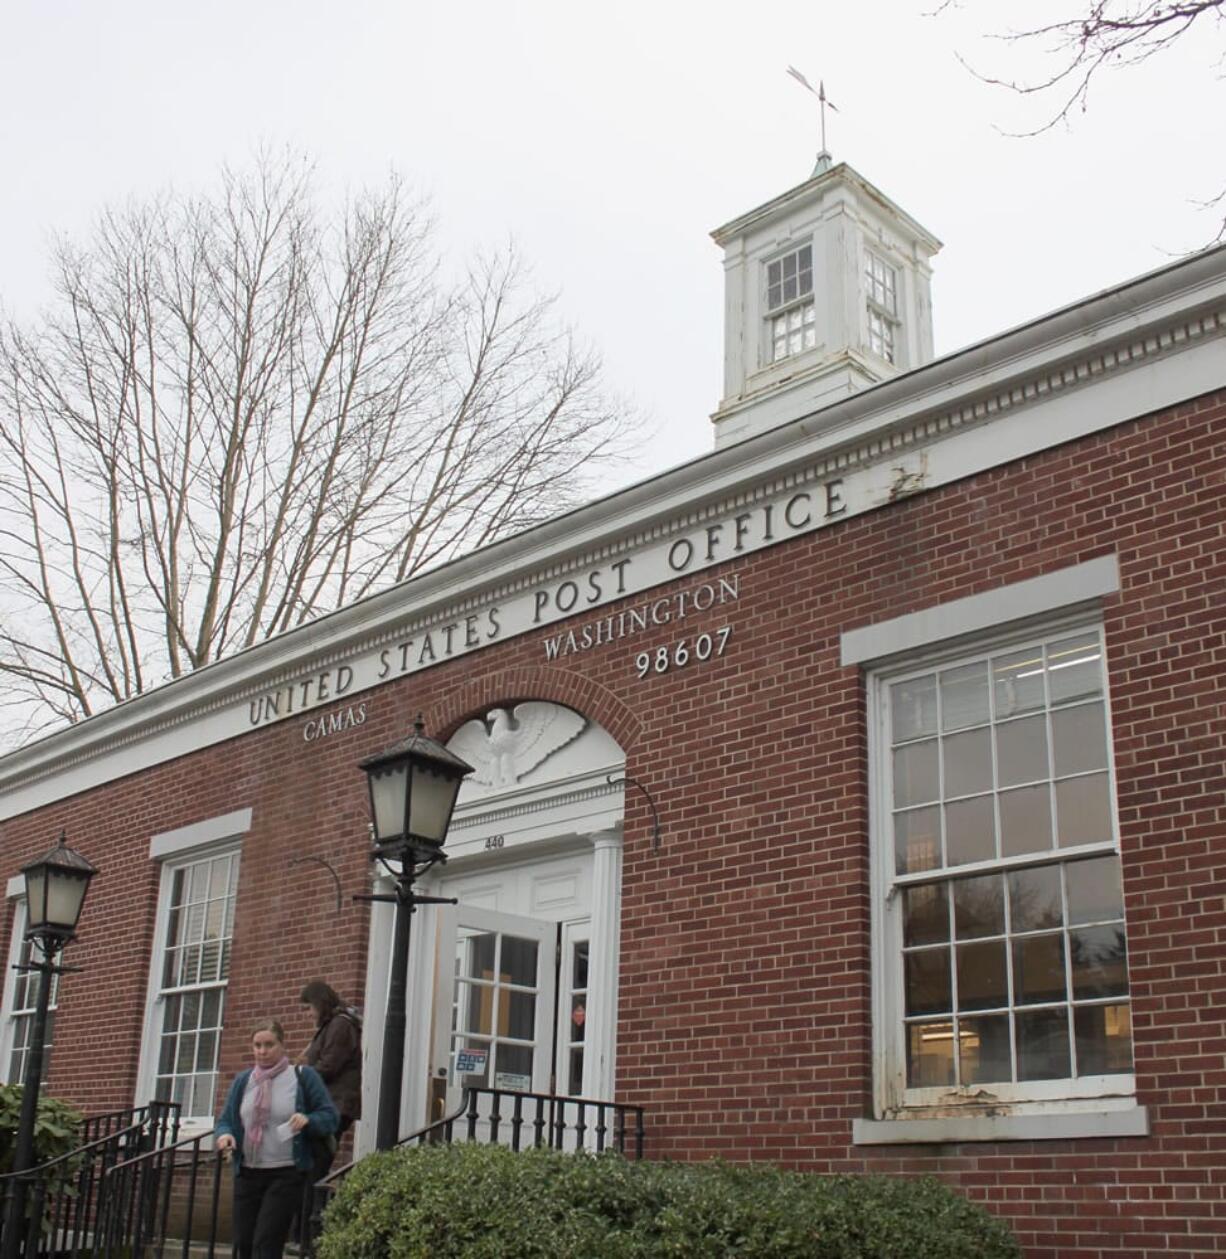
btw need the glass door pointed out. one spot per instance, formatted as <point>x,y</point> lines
<point>494,1013</point>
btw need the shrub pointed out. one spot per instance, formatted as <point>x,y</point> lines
<point>483,1202</point>
<point>57,1126</point>
<point>57,1130</point>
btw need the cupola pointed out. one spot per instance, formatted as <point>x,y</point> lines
<point>827,291</point>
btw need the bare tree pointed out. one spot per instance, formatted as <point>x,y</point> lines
<point>1097,37</point>
<point>240,414</point>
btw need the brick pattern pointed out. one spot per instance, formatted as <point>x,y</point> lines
<point>744,1005</point>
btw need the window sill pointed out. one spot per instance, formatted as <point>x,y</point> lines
<point>1131,1122</point>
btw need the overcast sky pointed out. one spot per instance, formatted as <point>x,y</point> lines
<point>608,140</point>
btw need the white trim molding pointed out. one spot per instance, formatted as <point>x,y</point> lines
<point>16,886</point>
<point>1064,589</point>
<point>228,827</point>
<point>1132,1121</point>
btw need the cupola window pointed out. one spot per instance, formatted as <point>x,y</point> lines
<point>881,287</point>
<point>789,303</point>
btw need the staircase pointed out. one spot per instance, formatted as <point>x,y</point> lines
<point>135,1190</point>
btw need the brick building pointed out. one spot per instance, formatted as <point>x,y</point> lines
<point>921,672</point>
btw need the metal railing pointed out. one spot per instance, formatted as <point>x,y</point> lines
<point>170,1202</point>
<point>66,1196</point>
<point>96,1127</point>
<point>526,1120</point>
<point>137,1189</point>
<point>550,1119</point>
<point>150,1203</point>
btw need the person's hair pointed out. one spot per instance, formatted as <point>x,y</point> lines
<point>322,996</point>
<point>269,1025</point>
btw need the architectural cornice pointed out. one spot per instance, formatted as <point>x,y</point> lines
<point>842,173</point>
<point>1145,345</point>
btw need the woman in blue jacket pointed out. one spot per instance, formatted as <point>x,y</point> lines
<point>271,1117</point>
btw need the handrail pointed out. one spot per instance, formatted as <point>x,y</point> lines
<point>555,1123</point>
<point>139,1198</point>
<point>163,1150</point>
<point>137,1114</point>
<point>447,1121</point>
<point>65,1193</point>
<point>74,1153</point>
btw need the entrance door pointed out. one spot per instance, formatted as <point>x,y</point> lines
<point>496,1001</point>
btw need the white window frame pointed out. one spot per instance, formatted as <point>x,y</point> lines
<point>1064,601</point>
<point>201,841</point>
<point>882,281</point>
<point>17,944</point>
<point>574,934</point>
<point>800,304</point>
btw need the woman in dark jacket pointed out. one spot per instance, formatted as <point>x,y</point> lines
<point>335,1050</point>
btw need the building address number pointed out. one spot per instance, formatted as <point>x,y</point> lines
<point>683,652</point>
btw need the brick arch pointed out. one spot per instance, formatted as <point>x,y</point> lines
<point>561,686</point>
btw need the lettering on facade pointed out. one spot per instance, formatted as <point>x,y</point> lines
<point>309,692</point>
<point>785,515</point>
<point>684,651</point>
<point>337,720</point>
<point>646,616</point>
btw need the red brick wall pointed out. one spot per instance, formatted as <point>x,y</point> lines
<point>744,1006</point>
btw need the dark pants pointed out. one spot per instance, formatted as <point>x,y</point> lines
<point>324,1158</point>
<point>266,1202</point>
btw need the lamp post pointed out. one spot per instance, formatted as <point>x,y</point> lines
<point>413,789</point>
<point>56,884</point>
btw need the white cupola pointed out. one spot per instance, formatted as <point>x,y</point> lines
<point>827,291</point>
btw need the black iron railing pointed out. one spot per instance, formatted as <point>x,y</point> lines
<point>165,1201</point>
<point>96,1127</point>
<point>138,1189</point>
<point>525,1120</point>
<point>175,1202</point>
<point>66,1196</point>
<point>547,1119</point>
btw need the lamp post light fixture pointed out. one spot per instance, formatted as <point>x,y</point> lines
<point>413,790</point>
<point>56,884</point>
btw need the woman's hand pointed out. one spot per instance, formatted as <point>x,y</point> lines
<point>225,1143</point>
<point>298,1121</point>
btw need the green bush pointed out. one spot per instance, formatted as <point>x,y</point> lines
<point>57,1130</point>
<point>483,1202</point>
<point>57,1126</point>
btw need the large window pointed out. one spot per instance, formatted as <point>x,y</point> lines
<point>1001,948</point>
<point>789,303</point>
<point>23,996</point>
<point>193,967</point>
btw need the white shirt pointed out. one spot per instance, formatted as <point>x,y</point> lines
<point>274,1150</point>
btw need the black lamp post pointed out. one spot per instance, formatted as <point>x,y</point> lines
<point>413,789</point>
<point>55,892</point>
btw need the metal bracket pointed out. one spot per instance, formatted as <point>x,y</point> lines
<point>655,813</point>
<point>327,865</point>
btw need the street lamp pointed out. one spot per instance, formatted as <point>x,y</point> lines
<point>55,893</point>
<point>413,789</point>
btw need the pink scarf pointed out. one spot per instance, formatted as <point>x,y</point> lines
<point>262,1078</point>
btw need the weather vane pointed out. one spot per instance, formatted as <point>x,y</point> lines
<point>820,93</point>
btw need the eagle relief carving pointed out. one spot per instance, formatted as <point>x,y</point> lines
<point>503,747</point>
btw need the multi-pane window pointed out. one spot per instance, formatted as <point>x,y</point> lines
<point>574,1035</point>
<point>880,335</point>
<point>24,999</point>
<point>789,303</point>
<point>881,287</point>
<point>194,969</point>
<point>881,283</point>
<point>493,1018</point>
<point>1004,910</point>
